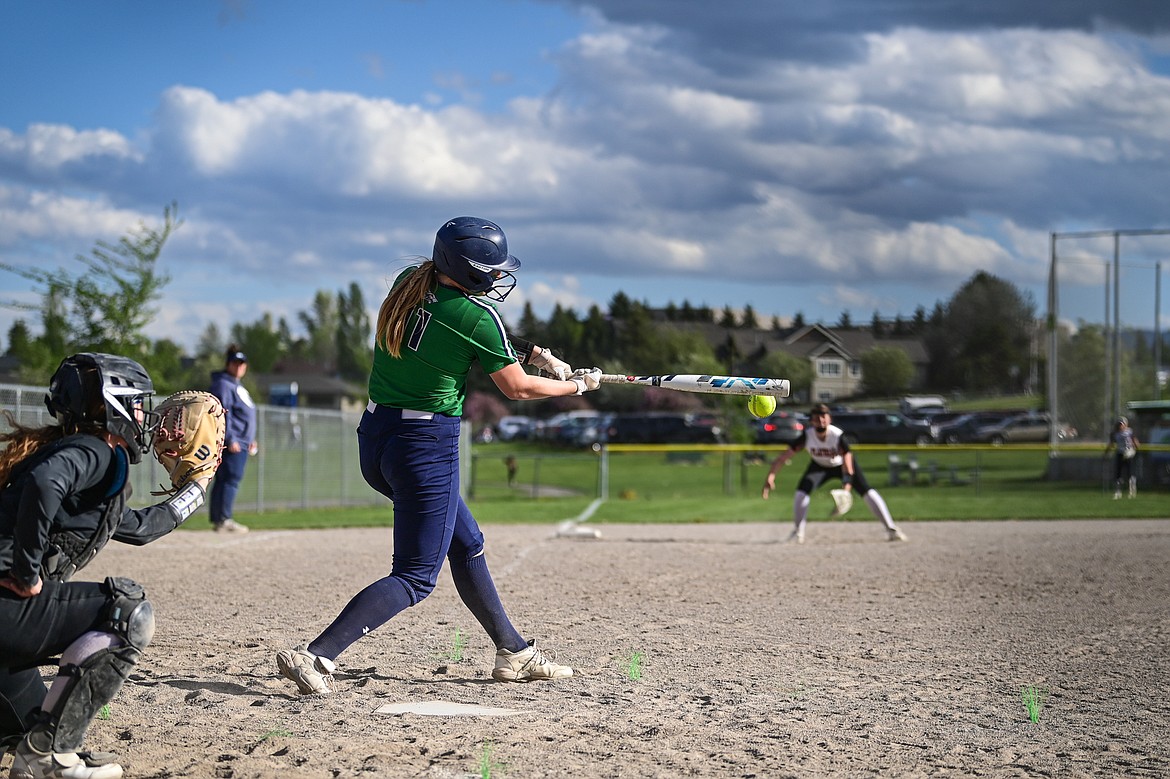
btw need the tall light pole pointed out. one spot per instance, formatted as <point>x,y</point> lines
<point>1113,387</point>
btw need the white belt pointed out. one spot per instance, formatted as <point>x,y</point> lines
<point>407,413</point>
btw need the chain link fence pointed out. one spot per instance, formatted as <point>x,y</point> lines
<point>307,458</point>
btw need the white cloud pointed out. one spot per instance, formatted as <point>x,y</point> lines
<point>34,218</point>
<point>47,148</point>
<point>928,157</point>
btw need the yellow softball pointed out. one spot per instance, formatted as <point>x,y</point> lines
<point>761,406</point>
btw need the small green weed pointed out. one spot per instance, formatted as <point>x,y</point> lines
<point>487,762</point>
<point>104,713</point>
<point>634,667</point>
<point>1033,698</point>
<point>275,733</point>
<point>458,644</point>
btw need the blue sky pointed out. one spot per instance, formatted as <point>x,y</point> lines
<point>846,155</point>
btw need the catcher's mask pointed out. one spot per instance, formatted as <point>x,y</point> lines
<point>474,252</point>
<point>111,392</point>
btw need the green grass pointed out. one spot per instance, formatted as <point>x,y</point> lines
<point>691,486</point>
<point>634,666</point>
<point>458,644</point>
<point>487,762</point>
<point>1033,698</point>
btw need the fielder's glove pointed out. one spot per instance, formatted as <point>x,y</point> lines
<point>189,439</point>
<point>586,379</point>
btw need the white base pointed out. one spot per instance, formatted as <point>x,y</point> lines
<point>444,709</point>
<point>571,529</point>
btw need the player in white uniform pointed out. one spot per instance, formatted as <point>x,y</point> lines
<point>831,459</point>
<point>1125,442</point>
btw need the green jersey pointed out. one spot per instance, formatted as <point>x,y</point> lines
<point>448,332</point>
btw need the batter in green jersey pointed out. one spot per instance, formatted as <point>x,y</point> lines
<point>445,335</point>
<point>432,328</point>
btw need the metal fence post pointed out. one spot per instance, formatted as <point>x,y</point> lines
<point>306,471</point>
<point>342,458</point>
<point>465,472</point>
<point>261,456</point>
<point>603,474</point>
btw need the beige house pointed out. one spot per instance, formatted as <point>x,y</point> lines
<point>834,355</point>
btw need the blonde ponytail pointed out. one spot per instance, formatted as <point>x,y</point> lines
<point>400,303</point>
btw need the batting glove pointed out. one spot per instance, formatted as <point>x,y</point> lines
<point>586,379</point>
<point>544,360</point>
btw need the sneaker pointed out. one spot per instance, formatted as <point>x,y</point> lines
<point>28,763</point>
<point>229,526</point>
<point>313,675</point>
<point>894,534</point>
<point>1117,495</point>
<point>527,665</point>
<point>796,537</point>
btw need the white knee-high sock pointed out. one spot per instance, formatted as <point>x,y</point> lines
<point>800,509</point>
<point>878,508</point>
<point>86,645</point>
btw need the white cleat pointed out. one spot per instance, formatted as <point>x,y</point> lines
<point>28,763</point>
<point>894,534</point>
<point>313,675</point>
<point>796,537</point>
<point>529,664</point>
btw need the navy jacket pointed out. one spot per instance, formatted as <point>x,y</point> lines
<point>241,411</point>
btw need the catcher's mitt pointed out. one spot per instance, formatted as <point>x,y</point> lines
<point>189,438</point>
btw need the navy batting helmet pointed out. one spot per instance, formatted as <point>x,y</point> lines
<point>105,390</point>
<point>474,252</point>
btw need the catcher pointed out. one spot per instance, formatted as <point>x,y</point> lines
<point>65,494</point>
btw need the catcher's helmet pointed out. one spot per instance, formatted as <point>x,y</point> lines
<point>474,252</point>
<point>105,390</point>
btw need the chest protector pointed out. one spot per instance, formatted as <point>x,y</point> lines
<point>70,550</point>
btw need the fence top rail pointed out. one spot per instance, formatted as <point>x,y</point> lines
<point>1037,447</point>
<point>33,389</point>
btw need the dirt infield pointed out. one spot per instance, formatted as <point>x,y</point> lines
<point>847,656</point>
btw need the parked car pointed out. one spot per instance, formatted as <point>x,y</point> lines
<point>1025,428</point>
<point>664,427</point>
<point>882,427</point>
<point>961,430</point>
<point>587,431</point>
<point>1159,461</point>
<point>562,428</point>
<point>515,428</point>
<point>783,427</point>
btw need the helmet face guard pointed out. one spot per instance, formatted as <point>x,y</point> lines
<point>474,253</point>
<point>107,390</point>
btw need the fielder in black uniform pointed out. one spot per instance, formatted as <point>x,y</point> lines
<point>64,497</point>
<point>831,459</point>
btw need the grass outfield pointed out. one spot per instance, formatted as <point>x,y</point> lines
<point>712,486</point>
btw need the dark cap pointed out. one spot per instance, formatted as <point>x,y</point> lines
<point>237,356</point>
<point>820,408</point>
